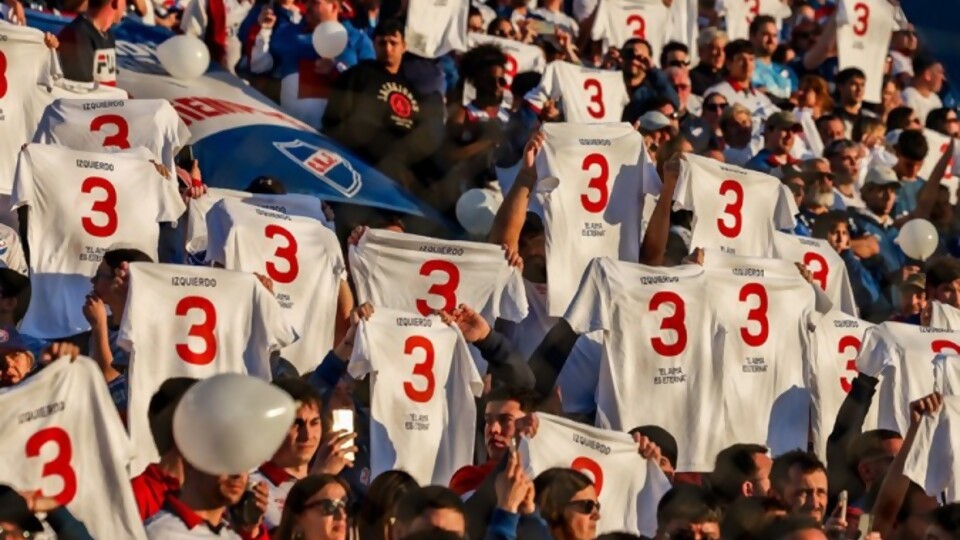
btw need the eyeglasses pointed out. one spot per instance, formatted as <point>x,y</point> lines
<point>678,63</point>
<point>715,106</point>
<point>328,507</point>
<point>585,506</point>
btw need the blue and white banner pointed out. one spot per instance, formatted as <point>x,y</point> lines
<point>238,134</point>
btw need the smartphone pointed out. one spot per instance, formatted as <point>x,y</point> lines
<point>184,158</point>
<point>543,27</point>
<point>343,421</point>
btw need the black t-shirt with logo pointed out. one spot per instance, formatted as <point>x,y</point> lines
<point>86,54</point>
<point>374,113</point>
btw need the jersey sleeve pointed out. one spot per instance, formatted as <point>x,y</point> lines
<point>360,272</point>
<point>22,194</point>
<point>171,203</point>
<point>930,460</point>
<point>125,337</point>
<point>785,215</point>
<point>876,353</point>
<point>513,297</point>
<point>217,227</point>
<point>848,304</point>
<point>589,309</point>
<point>360,363</point>
<point>267,310</point>
<point>683,195</point>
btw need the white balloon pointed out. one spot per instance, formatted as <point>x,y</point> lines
<point>918,238</point>
<point>231,423</point>
<point>330,39</point>
<point>184,57</point>
<point>476,209</point>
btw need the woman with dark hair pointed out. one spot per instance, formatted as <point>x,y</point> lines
<point>316,509</point>
<point>814,95</point>
<point>376,517</point>
<point>568,503</point>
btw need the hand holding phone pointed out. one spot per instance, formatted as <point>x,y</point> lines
<point>343,421</point>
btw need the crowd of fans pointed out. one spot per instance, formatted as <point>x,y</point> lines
<point>774,101</point>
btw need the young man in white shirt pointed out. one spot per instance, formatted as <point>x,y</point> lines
<point>738,86</point>
<point>921,95</point>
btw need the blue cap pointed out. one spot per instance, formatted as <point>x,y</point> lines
<point>12,340</point>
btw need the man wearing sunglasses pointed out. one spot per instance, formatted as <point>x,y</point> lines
<point>779,134</point>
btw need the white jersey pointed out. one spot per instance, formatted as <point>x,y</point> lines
<point>24,62</point>
<point>754,100</point>
<point>61,435</point>
<point>864,28</point>
<point>628,486</point>
<point>663,349</point>
<point>300,255</point>
<point>740,13</point>
<point>765,306</point>
<point>827,268</point>
<point>591,191</point>
<point>193,322</point>
<point>101,124</point>
<point>436,27</point>
<point>837,339</point>
<point>196,22</point>
<point>938,145</point>
<point>423,386</point>
<point>587,94</point>
<point>921,105</point>
<point>424,275</point>
<point>735,210</point>
<point>944,316</point>
<point>11,251</point>
<point>901,356</point>
<point>291,204</point>
<point>521,57</point>
<point>931,462</point>
<point>278,482</point>
<point>684,25</point>
<point>80,205</point>
<point>620,20</point>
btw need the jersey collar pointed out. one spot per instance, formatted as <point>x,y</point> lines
<point>275,474</point>
<point>189,518</point>
<point>156,474</point>
<point>740,88</point>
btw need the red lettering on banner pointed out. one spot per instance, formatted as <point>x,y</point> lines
<point>196,109</point>
<point>321,162</point>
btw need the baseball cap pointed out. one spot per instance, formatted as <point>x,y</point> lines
<point>918,280</point>
<point>12,340</point>
<point>881,175</point>
<point>782,120</point>
<point>654,121</point>
<point>14,509</point>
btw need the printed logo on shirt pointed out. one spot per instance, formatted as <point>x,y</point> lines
<point>326,165</point>
<point>401,102</point>
<point>105,66</point>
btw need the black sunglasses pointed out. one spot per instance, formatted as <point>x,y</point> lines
<point>678,63</point>
<point>715,106</point>
<point>329,507</point>
<point>585,506</point>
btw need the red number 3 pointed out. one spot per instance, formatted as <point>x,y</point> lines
<point>820,274</point>
<point>732,209</point>
<point>598,183</point>
<point>118,139</point>
<point>423,369</point>
<point>287,253</point>
<point>205,331</point>
<point>863,19</point>
<point>107,207</point>
<point>673,322</point>
<point>596,98</point>
<point>639,26</point>
<point>849,342</point>
<point>59,465</point>
<point>757,315</point>
<point>4,85</point>
<point>447,291</point>
<point>585,464</point>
